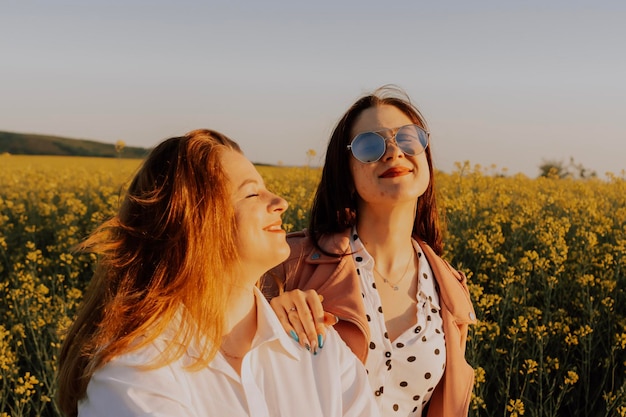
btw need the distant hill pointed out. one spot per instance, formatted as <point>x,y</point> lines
<point>30,144</point>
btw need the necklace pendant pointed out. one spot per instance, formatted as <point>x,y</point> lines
<point>393,286</point>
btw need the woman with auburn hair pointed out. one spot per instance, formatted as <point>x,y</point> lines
<point>173,324</point>
<point>373,253</point>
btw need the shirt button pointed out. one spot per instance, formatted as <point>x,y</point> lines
<point>388,354</point>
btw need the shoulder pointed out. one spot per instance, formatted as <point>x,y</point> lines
<point>300,242</point>
<point>129,386</point>
<point>451,286</point>
<point>441,268</point>
<point>333,338</point>
<point>337,351</point>
<point>153,354</point>
<point>329,248</point>
<point>136,365</point>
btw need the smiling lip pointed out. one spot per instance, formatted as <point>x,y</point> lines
<point>275,227</point>
<point>396,172</point>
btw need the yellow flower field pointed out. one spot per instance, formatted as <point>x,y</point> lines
<point>545,258</point>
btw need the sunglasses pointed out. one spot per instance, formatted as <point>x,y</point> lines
<point>371,146</point>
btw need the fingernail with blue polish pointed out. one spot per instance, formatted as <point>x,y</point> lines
<point>294,336</point>
<point>307,347</point>
<point>320,341</point>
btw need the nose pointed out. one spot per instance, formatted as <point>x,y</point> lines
<point>278,204</point>
<point>392,150</point>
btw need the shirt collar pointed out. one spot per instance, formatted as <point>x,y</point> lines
<point>269,331</point>
<point>269,328</point>
<point>426,289</point>
<point>360,254</point>
<point>365,260</point>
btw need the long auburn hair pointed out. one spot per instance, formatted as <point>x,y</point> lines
<point>334,207</point>
<point>171,245</point>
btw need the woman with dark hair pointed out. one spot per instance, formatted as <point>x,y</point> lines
<point>173,324</point>
<point>370,259</point>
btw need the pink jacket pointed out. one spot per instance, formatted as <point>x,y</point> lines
<point>335,278</point>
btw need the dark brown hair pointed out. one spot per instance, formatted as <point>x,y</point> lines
<point>334,207</point>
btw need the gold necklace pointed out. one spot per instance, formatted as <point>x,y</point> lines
<point>394,285</point>
<point>230,355</point>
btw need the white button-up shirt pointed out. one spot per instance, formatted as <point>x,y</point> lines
<point>278,378</point>
<point>402,373</point>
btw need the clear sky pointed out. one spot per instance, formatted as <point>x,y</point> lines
<point>510,83</point>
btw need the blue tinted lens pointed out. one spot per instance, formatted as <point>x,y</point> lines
<point>411,139</point>
<point>368,147</point>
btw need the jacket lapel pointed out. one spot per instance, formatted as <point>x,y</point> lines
<point>452,286</point>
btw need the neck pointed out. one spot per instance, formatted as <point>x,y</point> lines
<point>241,299</point>
<point>241,305</point>
<point>241,322</point>
<point>386,234</point>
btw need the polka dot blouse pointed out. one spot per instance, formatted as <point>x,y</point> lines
<point>402,373</point>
